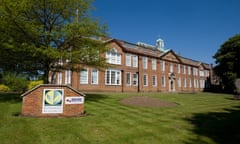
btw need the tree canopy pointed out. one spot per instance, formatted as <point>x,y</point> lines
<point>49,35</point>
<point>228,60</point>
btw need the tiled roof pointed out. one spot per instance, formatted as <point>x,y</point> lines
<point>134,48</point>
<point>154,52</point>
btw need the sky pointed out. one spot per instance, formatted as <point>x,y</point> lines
<point>195,29</point>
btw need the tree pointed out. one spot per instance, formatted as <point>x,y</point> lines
<point>49,35</point>
<point>228,60</point>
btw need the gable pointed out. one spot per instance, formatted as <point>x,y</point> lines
<point>113,45</point>
<point>171,56</point>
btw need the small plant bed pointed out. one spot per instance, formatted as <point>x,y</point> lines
<point>145,101</point>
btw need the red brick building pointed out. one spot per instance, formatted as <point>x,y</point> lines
<point>140,68</point>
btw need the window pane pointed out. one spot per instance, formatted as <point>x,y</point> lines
<point>84,76</point>
<point>94,76</point>
<point>128,78</point>
<point>128,60</point>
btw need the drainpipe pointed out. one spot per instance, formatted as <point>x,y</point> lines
<point>122,71</point>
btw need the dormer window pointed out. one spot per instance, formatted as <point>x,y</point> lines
<point>113,57</point>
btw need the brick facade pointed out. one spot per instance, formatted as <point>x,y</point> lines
<point>32,104</point>
<point>169,73</point>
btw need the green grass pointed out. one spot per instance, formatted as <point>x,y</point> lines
<point>202,118</point>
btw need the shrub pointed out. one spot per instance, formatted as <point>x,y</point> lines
<point>4,88</point>
<point>16,83</point>
<point>32,84</point>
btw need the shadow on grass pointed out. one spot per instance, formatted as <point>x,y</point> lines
<point>10,97</point>
<point>95,97</point>
<point>220,127</point>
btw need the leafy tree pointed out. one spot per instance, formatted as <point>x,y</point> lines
<point>49,35</point>
<point>228,60</point>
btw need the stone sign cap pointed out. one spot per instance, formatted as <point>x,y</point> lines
<point>52,85</point>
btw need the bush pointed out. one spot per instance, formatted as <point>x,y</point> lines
<point>16,83</point>
<point>32,84</point>
<point>4,88</point>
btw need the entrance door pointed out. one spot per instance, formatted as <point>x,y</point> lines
<point>172,85</point>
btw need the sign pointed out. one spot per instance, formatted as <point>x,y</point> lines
<point>74,100</point>
<point>52,101</point>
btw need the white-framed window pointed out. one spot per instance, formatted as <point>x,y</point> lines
<point>145,59</point>
<point>112,77</point>
<point>145,80</point>
<point>195,83</point>
<point>128,60</point>
<point>154,64</point>
<point>201,73</point>
<point>179,82</point>
<point>179,68</point>
<point>171,67</point>
<point>189,70</point>
<point>113,57</point>
<point>94,76</point>
<point>135,60</point>
<point>163,81</point>
<point>206,73</point>
<point>190,82</point>
<point>162,63</point>
<point>68,77</point>
<point>84,76</point>
<point>154,80</point>
<point>195,71</point>
<point>202,83</point>
<point>184,69</point>
<point>185,82</point>
<point>135,79</point>
<point>59,78</point>
<point>128,78</point>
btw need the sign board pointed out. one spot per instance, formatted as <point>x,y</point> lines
<point>52,101</point>
<point>74,100</point>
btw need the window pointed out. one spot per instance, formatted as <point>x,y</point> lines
<point>163,81</point>
<point>189,70</point>
<point>68,77</point>
<point>184,69</point>
<point>84,76</point>
<point>113,57</point>
<point>128,59</point>
<point>179,68</point>
<point>195,83</point>
<point>128,78</point>
<point>154,64</point>
<point>201,73</point>
<point>145,80</point>
<point>171,68</point>
<point>135,61</point>
<point>113,77</point>
<point>190,82</point>
<point>195,71</point>
<point>162,65</point>
<point>145,62</point>
<point>179,82</point>
<point>94,76</point>
<point>206,73</point>
<point>202,83</point>
<point>59,78</point>
<point>154,80</point>
<point>135,79</point>
<point>185,82</point>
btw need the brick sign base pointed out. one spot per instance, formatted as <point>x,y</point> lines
<point>52,101</point>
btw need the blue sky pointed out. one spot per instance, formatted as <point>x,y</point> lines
<point>192,28</point>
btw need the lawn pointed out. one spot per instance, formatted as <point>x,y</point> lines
<point>202,118</point>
